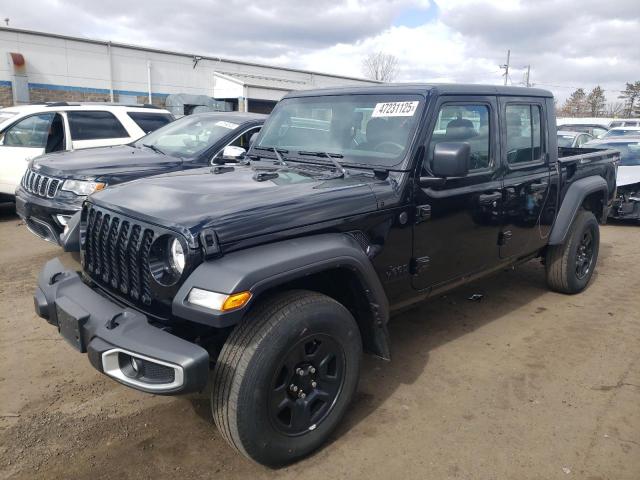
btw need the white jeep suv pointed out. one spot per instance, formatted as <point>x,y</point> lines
<point>27,131</point>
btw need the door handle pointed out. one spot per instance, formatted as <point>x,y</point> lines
<point>489,198</point>
<point>538,187</point>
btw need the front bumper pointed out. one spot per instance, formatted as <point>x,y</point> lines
<point>120,342</point>
<point>40,213</point>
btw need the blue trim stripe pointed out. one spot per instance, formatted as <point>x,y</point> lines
<point>105,91</point>
<point>5,83</point>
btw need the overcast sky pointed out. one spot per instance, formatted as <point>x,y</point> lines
<point>568,43</point>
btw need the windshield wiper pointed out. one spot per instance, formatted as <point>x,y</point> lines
<point>277,151</point>
<point>154,148</point>
<point>331,156</point>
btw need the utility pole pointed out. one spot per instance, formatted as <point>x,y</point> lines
<point>506,67</point>
<point>527,77</point>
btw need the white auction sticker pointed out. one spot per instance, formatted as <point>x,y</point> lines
<point>395,109</point>
<point>229,125</point>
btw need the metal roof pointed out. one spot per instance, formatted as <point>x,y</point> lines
<point>181,54</point>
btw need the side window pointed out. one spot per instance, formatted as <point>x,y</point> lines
<point>149,122</point>
<point>467,123</point>
<point>243,140</point>
<point>524,133</point>
<point>96,125</point>
<point>31,132</point>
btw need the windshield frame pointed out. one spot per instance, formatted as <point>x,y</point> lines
<point>400,163</point>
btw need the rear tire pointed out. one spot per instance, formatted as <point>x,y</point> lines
<point>570,266</point>
<point>285,377</point>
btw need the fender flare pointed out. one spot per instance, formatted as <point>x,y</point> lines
<point>573,199</point>
<point>263,267</point>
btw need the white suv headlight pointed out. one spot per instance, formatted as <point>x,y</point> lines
<point>81,187</point>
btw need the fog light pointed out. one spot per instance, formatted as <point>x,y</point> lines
<point>63,219</point>
<point>142,372</point>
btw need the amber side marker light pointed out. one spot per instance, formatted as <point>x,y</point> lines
<point>236,300</point>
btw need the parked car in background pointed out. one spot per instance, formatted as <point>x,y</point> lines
<point>27,131</point>
<point>622,132</point>
<point>626,205</point>
<point>281,270</point>
<point>55,185</point>
<point>596,127</point>
<point>625,122</point>
<point>567,138</point>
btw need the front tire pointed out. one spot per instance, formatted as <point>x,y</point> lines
<point>570,266</point>
<point>285,377</point>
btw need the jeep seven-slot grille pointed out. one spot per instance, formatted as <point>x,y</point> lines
<point>116,254</point>
<point>40,185</point>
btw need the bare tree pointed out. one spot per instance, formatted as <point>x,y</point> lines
<point>380,66</point>
<point>614,109</point>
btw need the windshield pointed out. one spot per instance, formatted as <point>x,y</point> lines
<point>189,136</point>
<point>629,152</point>
<point>621,132</point>
<point>565,140</point>
<point>360,129</point>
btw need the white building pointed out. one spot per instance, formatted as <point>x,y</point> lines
<point>37,66</point>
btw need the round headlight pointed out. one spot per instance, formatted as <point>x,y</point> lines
<point>177,257</point>
<point>167,260</point>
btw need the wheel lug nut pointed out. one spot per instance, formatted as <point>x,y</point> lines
<point>312,370</point>
<point>293,388</point>
<point>314,384</point>
<point>299,371</point>
<point>302,395</point>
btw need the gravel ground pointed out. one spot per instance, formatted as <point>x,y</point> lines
<point>524,384</point>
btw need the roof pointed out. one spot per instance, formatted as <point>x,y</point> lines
<point>182,54</point>
<point>570,133</point>
<point>64,106</point>
<point>424,88</point>
<point>621,139</point>
<point>238,117</point>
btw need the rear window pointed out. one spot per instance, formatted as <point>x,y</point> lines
<point>150,122</point>
<point>96,125</point>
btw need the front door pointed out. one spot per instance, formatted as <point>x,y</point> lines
<point>458,222</point>
<point>528,193</point>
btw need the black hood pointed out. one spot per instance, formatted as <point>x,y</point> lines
<point>238,206</point>
<point>105,163</point>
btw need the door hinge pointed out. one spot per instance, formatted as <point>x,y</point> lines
<point>418,265</point>
<point>423,212</point>
<point>504,237</point>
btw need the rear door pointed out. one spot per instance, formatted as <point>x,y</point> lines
<point>527,189</point>
<point>457,223</point>
<point>95,128</point>
<point>19,143</point>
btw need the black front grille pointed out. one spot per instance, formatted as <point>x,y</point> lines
<point>41,185</point>
<point>116,253</point>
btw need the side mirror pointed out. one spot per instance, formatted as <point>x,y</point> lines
<point>450,159</point>
<point>233,154</point>
<point>252,139</point>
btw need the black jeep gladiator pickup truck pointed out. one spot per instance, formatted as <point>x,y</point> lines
<point>277,272</point>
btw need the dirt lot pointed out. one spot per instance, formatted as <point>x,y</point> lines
<point>525,384</point>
